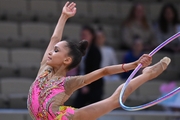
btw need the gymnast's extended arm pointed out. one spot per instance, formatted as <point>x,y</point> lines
<point>69,10</point>
<point>145,60</point>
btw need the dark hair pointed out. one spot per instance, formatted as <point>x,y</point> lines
<point>162,20</point>
<point>76,51</point>
<point>131,17</point>
<point>136,38</point>
<point>92,32</point>
<point>101,29</point>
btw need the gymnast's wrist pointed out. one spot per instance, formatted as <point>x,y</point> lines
<point>135,64</point>
<point>64,16</point>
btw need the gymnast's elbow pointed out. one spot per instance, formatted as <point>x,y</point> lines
<point>105,71</point>
<point>55,38</point>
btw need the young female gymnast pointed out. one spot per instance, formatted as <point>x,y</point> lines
<point>51,88</point>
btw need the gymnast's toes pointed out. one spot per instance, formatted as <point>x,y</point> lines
<point>158,68</point>
<point>165,62</point>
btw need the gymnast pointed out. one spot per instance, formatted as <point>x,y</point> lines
<point>52,88</point>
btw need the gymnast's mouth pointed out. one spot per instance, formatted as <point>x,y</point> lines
<point>49,58</point>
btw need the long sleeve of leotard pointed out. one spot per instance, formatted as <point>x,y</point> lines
<point>73,83</point>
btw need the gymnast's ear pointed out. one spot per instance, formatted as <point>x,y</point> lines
<point>68,60</point>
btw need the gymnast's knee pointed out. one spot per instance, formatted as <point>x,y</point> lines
<point>77,115</point>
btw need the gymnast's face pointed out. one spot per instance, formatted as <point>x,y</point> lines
<point>59,55</point>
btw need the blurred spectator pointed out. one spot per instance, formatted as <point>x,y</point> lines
<point>172,103</point>
<point>133,55</point>
<point>107,53</point>
<point>167,26</point>
<point>137,24</point>
<point>90,62</point>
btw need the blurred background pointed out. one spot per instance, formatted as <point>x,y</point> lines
<point>122,30</point>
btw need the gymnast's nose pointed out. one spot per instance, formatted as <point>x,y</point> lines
<point>50,52</point>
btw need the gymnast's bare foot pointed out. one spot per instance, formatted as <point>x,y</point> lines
<point>148,73</point>
<point>158,68</point>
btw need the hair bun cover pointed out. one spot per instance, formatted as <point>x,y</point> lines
<point>82,46</point>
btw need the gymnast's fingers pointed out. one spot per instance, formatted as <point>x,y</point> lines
<point>67,3</point>
<point>146,55</point>
<point>72,5</point>
<point>145,61</point>
<point>74,9</point>
<point>148,60</point>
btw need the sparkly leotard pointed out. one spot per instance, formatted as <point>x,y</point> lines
<point>47,96</point>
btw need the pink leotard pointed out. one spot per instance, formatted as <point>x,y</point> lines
<point>47,96</point>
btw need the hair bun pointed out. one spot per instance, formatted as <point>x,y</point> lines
<point>82,46</point>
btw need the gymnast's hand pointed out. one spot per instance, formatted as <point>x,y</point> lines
<point>145,60</point>
<point>69,9</point>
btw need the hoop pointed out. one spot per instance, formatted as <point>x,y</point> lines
<point>140,107</point>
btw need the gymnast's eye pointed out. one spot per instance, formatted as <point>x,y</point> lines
<point>56,50</point>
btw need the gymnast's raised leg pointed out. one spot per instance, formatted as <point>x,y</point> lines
<point>94,111</point>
